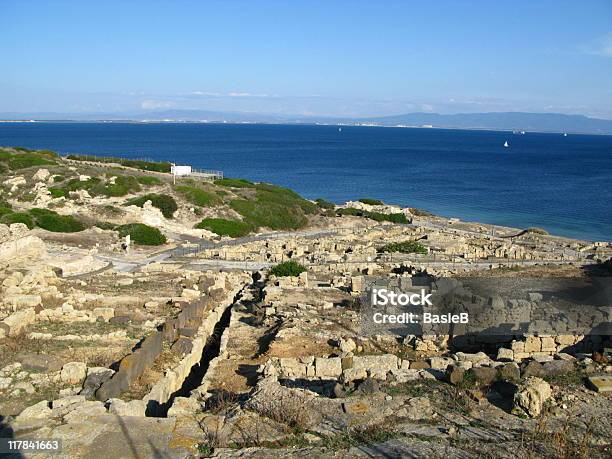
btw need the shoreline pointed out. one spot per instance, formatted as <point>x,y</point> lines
<point>270,123</point>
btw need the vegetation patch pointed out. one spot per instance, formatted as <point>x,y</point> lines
<point>275,208</point>
<point>123,185</point>
<point>288,269</point>
<point>25,160</point>
<point>403,247</point>
<point>224,227</point>
<point>163,202</point>
<point>17,217</point>
<point>235,183</point>
<point>52,221</point>
<point>142,234</point>
<point>371,202</point>
<point>324,204</point>
<point>378,216</point>
<point>136,164</point>
<point>148,180</point>
<point>198,196</point>
<point>58,192</point>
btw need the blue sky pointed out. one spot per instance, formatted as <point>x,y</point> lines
<point>355,58</point>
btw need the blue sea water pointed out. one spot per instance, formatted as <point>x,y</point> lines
<point>559,183</point>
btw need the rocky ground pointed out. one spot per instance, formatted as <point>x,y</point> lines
<point>194,348</point>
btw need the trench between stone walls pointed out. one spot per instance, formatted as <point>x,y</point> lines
<point>162,395</point>
<point>194,379</point>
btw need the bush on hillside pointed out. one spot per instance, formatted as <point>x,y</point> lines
<point>378,216</point>
<point>403,247</point>
<point>25,160</point>
<point>52,221</point>
<point>17,217</point>
<point>58,192</point>
<point>137,164</point>
<point>224,227</point>
<point>274,207</point>
<point>371,202</point>
<point>124,184</point>
<point>234,183</point>
<point>163,202</point>
<point>147,180</point>
<point>287,269</point>
<point>324,204</point>
<point>198,196</point>
<point>142,234</point>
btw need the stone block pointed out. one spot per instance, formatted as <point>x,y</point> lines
<point>328,368</point>
<point>73,373</point>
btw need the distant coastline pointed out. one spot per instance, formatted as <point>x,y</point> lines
<point>270,123</point>
<point>493,121</point>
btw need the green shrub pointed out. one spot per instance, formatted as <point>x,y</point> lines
<point>198,196</point>
<point>371,202</point>
<point>137,164</point>
<point>148,180</point>
<point>404,247</point>
<point>163,202</point>
<point>378,216</point>
<point>224,227</point>
<point>17,217</point>
<point>58,192</point>
<point>393,218</point>
<point>5,210</point>
<point>6,206</point>
<point>142,234</point>
<point>269,215</point>
<point>275,208</point>
<point>105,225</point>
<point>287,269</point>
<point>123,185</point>
<point>58,178</point>
<point>323,204</point>
<point>5,155</point>
<point>25,160</point>
<point>235,183</point>
<point>52,221</point>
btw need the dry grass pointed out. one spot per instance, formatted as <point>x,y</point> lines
<point>289,409</point>
<point>573,438</point>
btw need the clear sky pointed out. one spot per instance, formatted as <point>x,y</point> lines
<point>328,57</point>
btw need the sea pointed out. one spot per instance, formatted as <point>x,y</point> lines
<point>560,183</point>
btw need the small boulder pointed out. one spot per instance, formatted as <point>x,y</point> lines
<point>509,372</point>
<point>484,376</point>
<point>73,373</point>
<point>530,396</point>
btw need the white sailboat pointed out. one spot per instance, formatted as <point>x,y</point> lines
<point>506,144</point>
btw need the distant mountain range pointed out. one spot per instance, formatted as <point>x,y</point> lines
<point>540,122</point>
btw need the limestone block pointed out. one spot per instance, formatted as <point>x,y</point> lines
<point>353,374</point>
<point>533,344</point>
<point>328,368</point>
<point>73,373</point>
<point>531,395</point>
<point>19,320</point>
<point>505,354</point>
